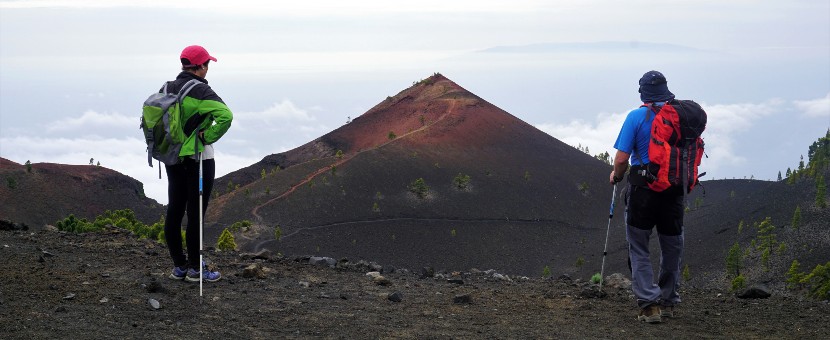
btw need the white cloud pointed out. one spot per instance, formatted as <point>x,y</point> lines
<point>816,107</point>
<point>598,137</point>
<point>725,123</point>
<point>93,119</point>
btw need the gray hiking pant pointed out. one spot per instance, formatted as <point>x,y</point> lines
<point>644,211</point>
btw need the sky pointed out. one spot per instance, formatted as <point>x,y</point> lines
<point>73,74</point>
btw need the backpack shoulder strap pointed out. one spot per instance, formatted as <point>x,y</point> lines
<point>187,87</point>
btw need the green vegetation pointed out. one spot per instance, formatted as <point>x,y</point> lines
<point>338,154</point>
<point>243,225</point>
<point>583,187</point>
<point>596,278</point>
<point>28,166</point>
<point>278,233</point>
<point>461,181</point>
<point>452,233</point>
<point>733,260</point>
<point>739,282</point>
<point>605,157</point>
<point>226,241</point>
<point>546,271</point>
<point>375,207</point>
<point>685,274</point>
<point>262,173</point>
<point>698,202</point>
<point>796,218</point>
<point>580,261</point>
<point>11,182</point>
<point>124,219</point>
<point>333,169</point>
<point>817,282</point>
<point>391,135</point>
<point>419,188</point>
<point>527,175</point>
<point>230,187</point>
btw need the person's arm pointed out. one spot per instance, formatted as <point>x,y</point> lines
<point>620,166</point>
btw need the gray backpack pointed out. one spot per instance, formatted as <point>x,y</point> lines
<point>161,121</point>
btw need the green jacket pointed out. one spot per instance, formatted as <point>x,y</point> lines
<point>202,110</point>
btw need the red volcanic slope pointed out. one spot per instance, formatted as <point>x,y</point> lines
<point>53,191</point>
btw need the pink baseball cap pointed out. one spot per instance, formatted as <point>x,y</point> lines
<point>197,55</point>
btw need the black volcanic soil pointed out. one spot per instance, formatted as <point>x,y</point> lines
<point>59,285</point>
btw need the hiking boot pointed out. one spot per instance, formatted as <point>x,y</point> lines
<point>650,314</point>
<point>207,275</point>
<point>667,311</point>
<point>179,273</point>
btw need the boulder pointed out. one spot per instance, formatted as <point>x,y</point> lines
<point>756,291</point>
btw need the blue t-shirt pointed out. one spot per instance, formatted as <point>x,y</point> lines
<point>636,134</point>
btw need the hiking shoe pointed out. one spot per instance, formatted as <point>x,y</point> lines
<point>179,273</point>
<point>650,314</point>
<point>207,275</point>
<point>667,311</point>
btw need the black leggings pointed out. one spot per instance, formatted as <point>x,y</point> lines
<point>183,194</point>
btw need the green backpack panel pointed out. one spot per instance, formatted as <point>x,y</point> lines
<point>161,121</point>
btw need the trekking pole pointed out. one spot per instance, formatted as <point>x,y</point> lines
<point>201,219</point>
<point>607,231</point>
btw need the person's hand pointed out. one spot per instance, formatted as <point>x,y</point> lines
<point>611,178</point>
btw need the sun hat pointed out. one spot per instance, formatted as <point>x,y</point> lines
<point>654,88</point>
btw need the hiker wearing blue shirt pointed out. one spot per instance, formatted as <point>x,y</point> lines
<point>647,209</point>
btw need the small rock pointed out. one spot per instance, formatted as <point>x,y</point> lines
<point>104,300</point>
<point>154,303</point>
<point>375,267</point>
<point>427,272</point>
<point>757,291</point>
<point>395,297</point>
<point>60,309</point>
<point>264,254</point>
<point>304,284</point>
<point>47,254</point>
<point>461,299</point>
<point>373,274</point>
<point>381,281</point>
<point>322,261</point>
<point>69,296</point>
<point>324,296</point>
<point>253,271</point>
<point>618,281</point>
<point>456,280</point>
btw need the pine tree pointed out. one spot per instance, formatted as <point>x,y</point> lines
<point>796,218</point>
<point>821,192</point>
<point>779,176</point>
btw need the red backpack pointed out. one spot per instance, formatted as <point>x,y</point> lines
<point>676,149</point>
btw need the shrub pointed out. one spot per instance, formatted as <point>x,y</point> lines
<point>452,233</point>
<point>278,233</point>
<point>580,261</point>
<point>262,173</point>
<point>391,135</point>
<point>419,188</point>
<point>546,272</point>
<point>226,241</point>
<point>243,225</point>
<point>338,154</point>
<point>11,182</point>
<point>794,275</point>
<point>461,181</point>
<point>686,274</point>
<point>596,278</point>
<point>29,166</point>
<point>818,281</point>
<point>583,187</point>
<point>796,217</point>
<point>733,260</point>
<point>375,207</point>
<point>738,282</point>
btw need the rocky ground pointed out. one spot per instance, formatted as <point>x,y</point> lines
<point>114,285</point>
